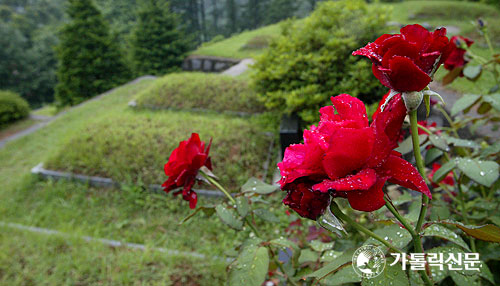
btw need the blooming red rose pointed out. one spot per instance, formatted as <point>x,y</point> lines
<point>345,156</point>
<point>183,165</point>
<point>448,180</point>
<point>456,58</point>
<point>405,62</point>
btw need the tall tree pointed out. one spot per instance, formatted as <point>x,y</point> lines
<point>158,46</point>
<point>90,61</point>
<point>278,10</point>
<point>232,16</point>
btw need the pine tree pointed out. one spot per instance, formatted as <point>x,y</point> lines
<point>158,46</point>
<point>90,61</point>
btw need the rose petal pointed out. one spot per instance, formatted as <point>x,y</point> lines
<point>361,181</point>
<point>349,150</point>
<point>401,172</point>
<point>345,107</point>
<point>369,200</point>
<point>406,75</point>
<point>300,161</point>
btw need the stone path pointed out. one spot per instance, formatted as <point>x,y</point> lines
<point>239,68</point>
<point>47,120</point>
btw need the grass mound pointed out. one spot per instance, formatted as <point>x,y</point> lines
<point>133,147</point>
<point>201,91</point>
<point>454,10</point>
<point>233,47</point>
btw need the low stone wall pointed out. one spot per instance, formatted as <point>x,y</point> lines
<point>208,63</point>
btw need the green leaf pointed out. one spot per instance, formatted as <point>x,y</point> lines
<point>242,206</point>
<point>439,212</point>
<point>403,198</point>
<point>484,108</point>
<point>483,172</point>
<point>439,142</point>
<point>432,154</point>
<point>464,280</point>
<point>391,275</point>
<point>341,277</point>
<point>285,243</point>
<point>331,267</point>
<point>461,142</point>
<point>250,268</point>
<point>493,99</point>
<point>473,72</point>
<point>394,234</point>
<point>463,103</point>
<point>319,246</point>
<point>443,171</point>
<point>228,217</point>
<point>266,215</point>
<point>487,232</point>
<point>491,150</point>
<point>445,233</point>
<point>308,255</point>
<point>406,146</point>
<point>330,255</point>
<point>255,185</point>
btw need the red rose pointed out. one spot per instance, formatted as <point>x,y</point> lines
<point>431,126</point>
<point>456,58</point>
<point>183,165</point>
<point>448,180</point>
<point>405,62</point>
<point>344,156</point>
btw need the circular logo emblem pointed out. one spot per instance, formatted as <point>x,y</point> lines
<point>368,261</point>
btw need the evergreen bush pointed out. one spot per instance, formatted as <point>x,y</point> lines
<point>90,60</point>
<point>12,107</point>
<point>158,46</point>
<point>311,60</point>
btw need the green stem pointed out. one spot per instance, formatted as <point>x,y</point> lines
<point>219,186</point>
<point>420,167</point>
<point>464,211</point>
<point>417,242</point>
<point>338,213</point>
<point>247,221</point>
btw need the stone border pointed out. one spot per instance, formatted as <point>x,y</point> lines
<point>102,182</point>
<point>111,242</point>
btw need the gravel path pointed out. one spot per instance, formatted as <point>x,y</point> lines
<point>239,68</point>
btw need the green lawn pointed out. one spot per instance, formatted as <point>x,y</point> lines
<point>234,47</point>
<point>47,110</point>
<point>126,215</point>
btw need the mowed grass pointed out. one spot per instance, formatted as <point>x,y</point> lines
<point>213,92</point>
<point>234,47</point>
<point>128,214</point>
<point>134,146</point>
<point>460,14</point>
<point>27,259</point>
<point>11,129</point>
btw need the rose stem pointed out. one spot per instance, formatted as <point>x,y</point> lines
<point>425,199</point>
<point>338,213</point>
<point>248,222</point>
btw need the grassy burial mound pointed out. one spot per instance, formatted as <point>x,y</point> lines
<point>134,146</point>
<point>200,91</point>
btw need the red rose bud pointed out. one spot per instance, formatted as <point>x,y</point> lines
<point>457,58</point>
<point>407,61</point>
<point>448,180</point>
<point>344,156</point>
<point>183,166</point>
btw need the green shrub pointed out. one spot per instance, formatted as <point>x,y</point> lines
<point>12,107</point>
<point>258,42</point>
<point>134,147</point>
<point>201,91</point>
<point>311,61</point>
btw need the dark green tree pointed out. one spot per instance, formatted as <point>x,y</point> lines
<point>158,46</point>
<point>279,10</point>
<point>90,61</point>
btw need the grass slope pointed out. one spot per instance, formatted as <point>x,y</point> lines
<point>234,47</point>
<point>203,91</point>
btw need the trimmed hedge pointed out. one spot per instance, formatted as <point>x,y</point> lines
<point>201,91</point>
<point>311,61</point>
<point>133,147</point>
<point>12,107</point>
